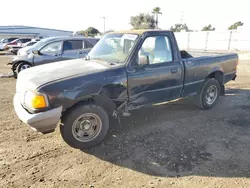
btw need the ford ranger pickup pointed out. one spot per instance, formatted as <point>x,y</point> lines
<point>124,71</point>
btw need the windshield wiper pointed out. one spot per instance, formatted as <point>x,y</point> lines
<point>108,62</point>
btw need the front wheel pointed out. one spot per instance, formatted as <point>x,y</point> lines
<point>84,126</point>
<point>22,66</point>
<point>208,96</point>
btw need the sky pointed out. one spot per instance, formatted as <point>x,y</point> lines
<point>76,15</point>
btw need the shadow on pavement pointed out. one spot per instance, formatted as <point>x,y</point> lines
<point>178,139</point>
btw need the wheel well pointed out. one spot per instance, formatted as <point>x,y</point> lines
<point>100,100</point>
<point>17,63</point>
<point>103,98</point>
<point>218,75</point>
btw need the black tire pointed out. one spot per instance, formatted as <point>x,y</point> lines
<point>201,101</point>
<point>21,65</point>
<point>15,74</point>
<point>14,70</point>
<point>70,117</point>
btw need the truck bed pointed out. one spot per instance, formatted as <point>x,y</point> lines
<point>196,53</point>
<point>196,67</point>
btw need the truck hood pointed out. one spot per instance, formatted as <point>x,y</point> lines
<point>36,76</point>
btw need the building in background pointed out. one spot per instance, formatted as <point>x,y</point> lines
<point>31,32</point>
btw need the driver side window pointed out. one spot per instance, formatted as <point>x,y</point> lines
<point>157,49</point>
<point>54,47</point>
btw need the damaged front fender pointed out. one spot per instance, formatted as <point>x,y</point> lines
<point>108,89</point>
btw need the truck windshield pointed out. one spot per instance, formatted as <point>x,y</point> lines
<point>113,48</point>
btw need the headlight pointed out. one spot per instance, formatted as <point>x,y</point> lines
<point>34,100</point>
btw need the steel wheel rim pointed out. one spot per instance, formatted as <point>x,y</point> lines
<point>86,127</point>
<point>211,94</point>
<point>25,66</point>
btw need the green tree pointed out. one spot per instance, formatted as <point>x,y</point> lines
<point>156,11</point>
<point>179,28</point>
<point>89,32</point>
<point>142,21</point>
<point>80,32</point>
<point>208,28</point>
<point>235,25</point>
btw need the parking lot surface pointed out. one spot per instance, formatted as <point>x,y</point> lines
<point>172,145</point>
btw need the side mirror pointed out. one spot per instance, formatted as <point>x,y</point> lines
<point>36,52</point>
<point>143,60</point>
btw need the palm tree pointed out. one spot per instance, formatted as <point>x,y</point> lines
<point>156,11</point>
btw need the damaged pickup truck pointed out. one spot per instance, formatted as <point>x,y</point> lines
<point>123,72</point>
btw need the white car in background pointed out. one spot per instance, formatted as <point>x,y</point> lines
<point>15,49</point>
<point>18,43</point>
<point>28,49</point>
<point>24,51</point>
<point>5,41</point>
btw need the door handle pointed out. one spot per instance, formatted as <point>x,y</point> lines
<point>174,71</point>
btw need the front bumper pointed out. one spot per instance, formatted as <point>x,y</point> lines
<point>43,122</point>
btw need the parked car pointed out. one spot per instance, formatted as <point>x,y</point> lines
<point>15,49</point>
<point>31,43</point>
<point>17,43</point>
<point>26,50</point>
<point>52,50</point>
<point>4,42</point>
<point>123,72</point>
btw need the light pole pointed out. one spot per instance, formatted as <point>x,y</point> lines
<point>182,17</point>
<point>104,19</point>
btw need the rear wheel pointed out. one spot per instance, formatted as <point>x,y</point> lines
<point>22,66</point>
<point>208,96</point>
<point>84,126</point>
